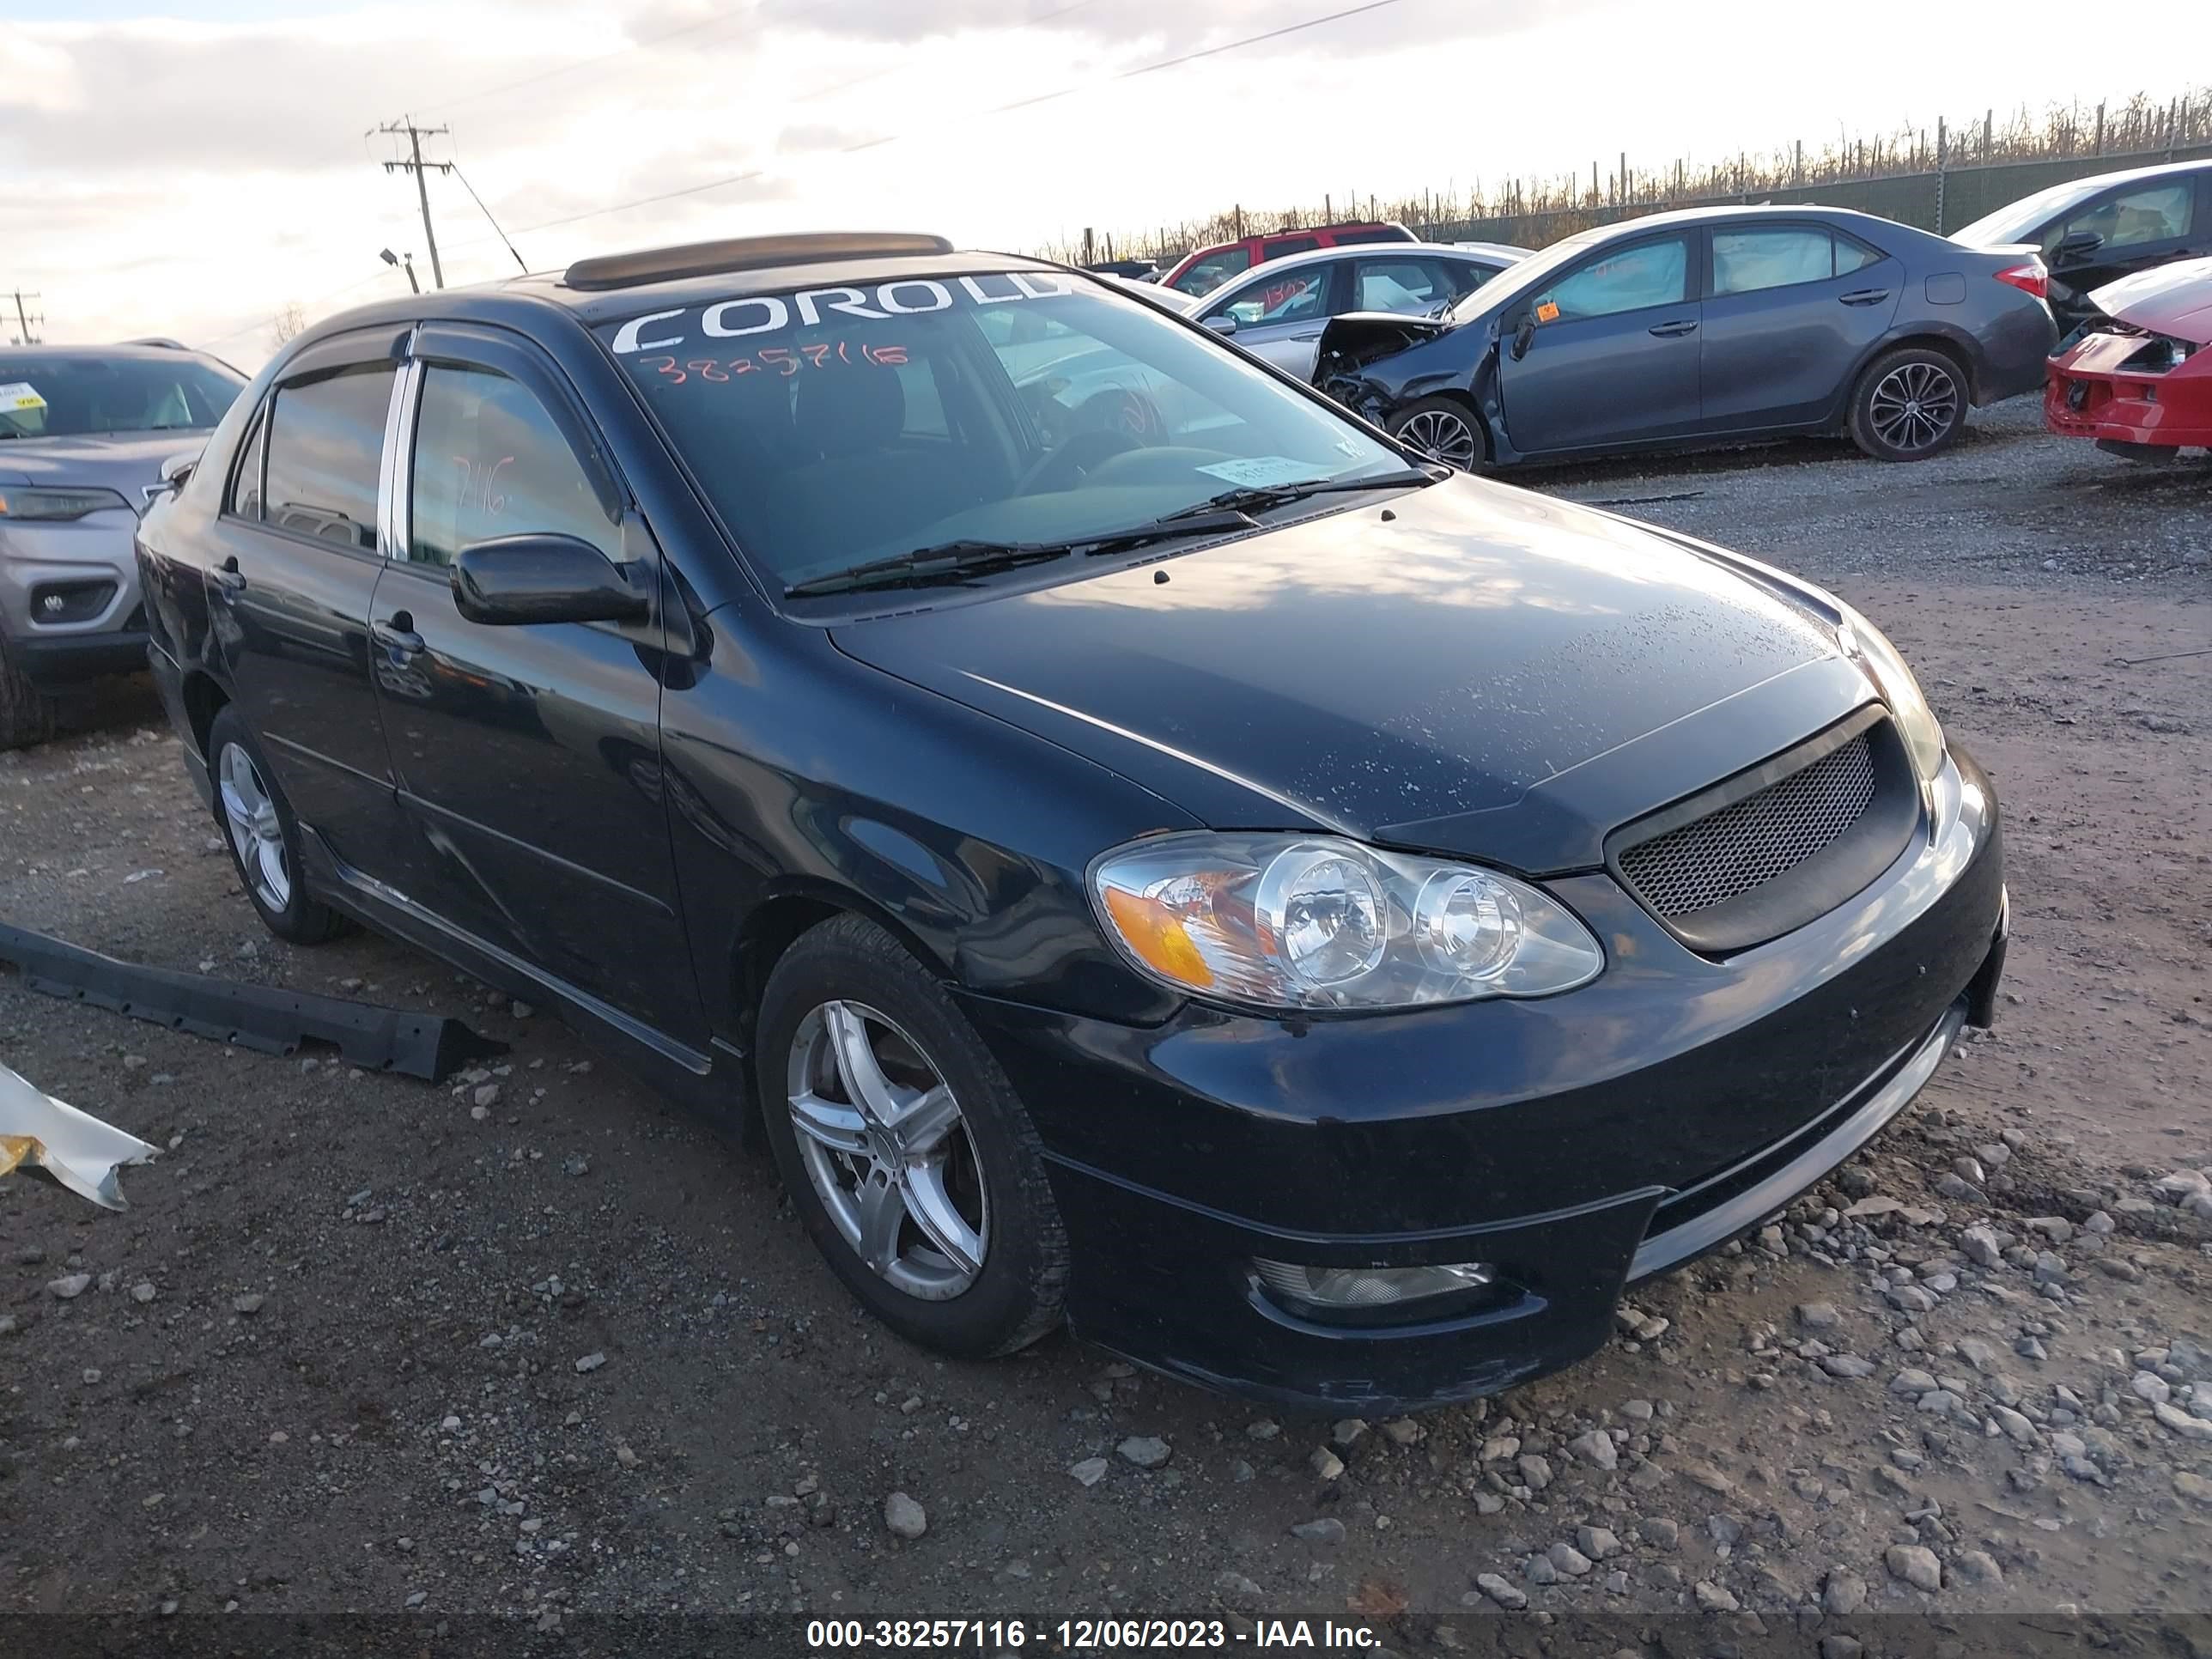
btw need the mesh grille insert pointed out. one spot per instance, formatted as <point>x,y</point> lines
<point>1759,838</point>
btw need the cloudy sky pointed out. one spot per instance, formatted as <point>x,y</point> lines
<point>190,167</point>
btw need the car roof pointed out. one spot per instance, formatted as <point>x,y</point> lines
<point>515,298</point>
<point>1700,215</point>
<point>132,351</point>
<point>1315,256</point>
<point>2037,206</point>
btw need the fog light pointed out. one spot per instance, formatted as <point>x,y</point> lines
<point>1365,1292</point>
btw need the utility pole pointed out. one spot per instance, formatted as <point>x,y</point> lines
<point>23,335</point>
<point>417,166</point>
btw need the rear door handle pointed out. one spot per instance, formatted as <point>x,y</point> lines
<point>398,635</point>
<point>228,576</point>
<point>1864,297</point>
<point>1669,331</point>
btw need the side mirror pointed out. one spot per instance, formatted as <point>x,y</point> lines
<point>512,580</point>
<point>2077,245</point>
<point>1524,334</point>
<point>174,472</point>
<point>1225,323</point>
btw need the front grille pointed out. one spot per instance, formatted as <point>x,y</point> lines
<point>1756,840</point>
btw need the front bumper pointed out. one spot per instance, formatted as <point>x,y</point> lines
<point>1576,1144</point>
<point>89,569</point>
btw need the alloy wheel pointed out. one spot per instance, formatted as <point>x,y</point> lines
<point>887,1150</point>
<point>1443,435</point>
<point>256,833</point>
<point>1914,407</point>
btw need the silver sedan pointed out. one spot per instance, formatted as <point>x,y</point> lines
<point>1278,310</point>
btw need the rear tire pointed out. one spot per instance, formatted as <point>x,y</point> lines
<point>924,1186</point>
<point>263,837</point>
<point>1444,429</point>
<point>1910,404</point>
<point>27,713</point>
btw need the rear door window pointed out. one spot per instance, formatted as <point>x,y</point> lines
<point>1413,284</point>
<point>325,446</point>
<point>1772,256</point>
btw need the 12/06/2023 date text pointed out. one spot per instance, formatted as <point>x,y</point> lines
<point>1079,1635</point>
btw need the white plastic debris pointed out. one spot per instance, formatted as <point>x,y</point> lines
<point>78,1151</point>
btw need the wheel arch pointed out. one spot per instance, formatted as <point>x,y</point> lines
<point>203,700</point>
<point>1920,336</point>
<point>775,922</point>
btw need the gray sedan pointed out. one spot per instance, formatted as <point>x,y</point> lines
<point>1278,310</point>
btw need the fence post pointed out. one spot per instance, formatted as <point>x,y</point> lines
<point>2172,125</point>
<point>1942,160</point>
<point>1238,210</point>
<point>1989,130</point>
<point>2100,128</point>
<point>1798,170</point>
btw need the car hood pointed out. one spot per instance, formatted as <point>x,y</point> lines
<point>119,460</point>
<point>2174,299</point>
<point>1407,678</point>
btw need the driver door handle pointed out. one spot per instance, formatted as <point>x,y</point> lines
<point>1864,297</point>
<point>226,575</point>
<point>398,635</point>
<point>1669,331</point>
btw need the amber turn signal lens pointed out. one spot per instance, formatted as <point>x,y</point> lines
<point>1156,934</point>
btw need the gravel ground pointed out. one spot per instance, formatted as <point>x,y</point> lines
<point>537,1345</point>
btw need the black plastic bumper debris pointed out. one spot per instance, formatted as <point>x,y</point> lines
<point>272,1021</point>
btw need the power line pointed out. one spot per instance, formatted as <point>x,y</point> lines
<point>712,21</point>
<point>751,174</point>
<point>486,212</point>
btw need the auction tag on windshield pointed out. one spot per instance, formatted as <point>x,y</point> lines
<point>1547,312</point>
<point>18,397</point>
<point>1259,470</point>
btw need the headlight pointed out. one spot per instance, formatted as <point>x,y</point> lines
<point>1313,921</point>
<point>56,503</point>
<point>1863,644</point>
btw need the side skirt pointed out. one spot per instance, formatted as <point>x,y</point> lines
<point>673,1067</point>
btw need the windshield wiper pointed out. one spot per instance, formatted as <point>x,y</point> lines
<point>1252,498</point>
<point>957,561</point>
<point>945,562</point>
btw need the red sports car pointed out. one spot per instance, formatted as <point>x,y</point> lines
<point>2141,383</point>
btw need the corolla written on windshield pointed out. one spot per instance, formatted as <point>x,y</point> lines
<point>834,426</point>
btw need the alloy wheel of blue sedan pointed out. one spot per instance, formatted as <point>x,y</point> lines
<point>1915,406</point>
<point>1443,435</point>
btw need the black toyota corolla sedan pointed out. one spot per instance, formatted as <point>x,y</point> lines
<point>1712,325</point>
<point>1142,848</point>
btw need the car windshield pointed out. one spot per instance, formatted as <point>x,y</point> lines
<point>70,394</point>
<point>831,427</point>
<point>2018,221</point>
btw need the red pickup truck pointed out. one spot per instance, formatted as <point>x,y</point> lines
<point>1208,268</point>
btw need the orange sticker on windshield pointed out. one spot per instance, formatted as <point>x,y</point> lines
<point>1547,312</point>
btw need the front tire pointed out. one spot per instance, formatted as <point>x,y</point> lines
<point>263,837</point>
<point>1442,429</point>
<point>1909,406</point>
<point>27,713</point>
<point>908,1156</point>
